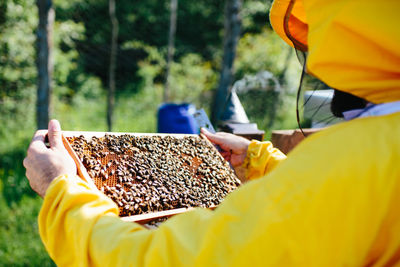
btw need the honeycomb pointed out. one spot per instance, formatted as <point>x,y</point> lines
<point>144,174</point>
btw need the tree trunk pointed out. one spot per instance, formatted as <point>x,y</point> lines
<point>44,62</point>
<point>231,37</point>
<point>113,61</point>
<point>3,13</point>
<point>171,48</point>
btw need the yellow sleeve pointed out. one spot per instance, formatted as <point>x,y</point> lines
<point>315,209</point>
<point>261,158</point>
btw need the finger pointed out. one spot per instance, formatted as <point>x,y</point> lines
<point>214,138</point>
<point>54,134</point>
<point>225,153</point>
<point>25,162</point>
<point>227,158</point>
<point>37,142</point>
<point>204,130</point>
<point>206,133</point>
<point>39,135</point>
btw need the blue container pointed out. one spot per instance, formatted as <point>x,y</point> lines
<point>177,118</point>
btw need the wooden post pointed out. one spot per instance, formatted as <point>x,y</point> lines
<point>171,48</point>
<point>231,38</point>
<point>113,63</point>
<point>44,62</point>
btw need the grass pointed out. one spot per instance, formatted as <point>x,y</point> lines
<point>20,243</point>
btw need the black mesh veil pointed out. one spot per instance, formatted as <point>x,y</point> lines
<point>306,80</point>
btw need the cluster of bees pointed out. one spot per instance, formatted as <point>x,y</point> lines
<point>143,174</point>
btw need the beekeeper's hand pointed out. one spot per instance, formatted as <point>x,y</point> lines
<point>234,148</point>
<point>44,164</point>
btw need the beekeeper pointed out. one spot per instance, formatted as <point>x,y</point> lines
<point>334,201</point>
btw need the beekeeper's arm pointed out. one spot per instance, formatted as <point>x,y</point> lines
<point>250,159</point>
<point>307,212</point>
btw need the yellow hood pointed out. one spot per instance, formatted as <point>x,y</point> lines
<point>353,45</point>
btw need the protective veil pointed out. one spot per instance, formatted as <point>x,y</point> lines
<point>332,202</point>
<point>353,46</point>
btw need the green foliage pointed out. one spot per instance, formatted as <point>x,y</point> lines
<point>140,21</point>
<point>266,51</point>
<point>66,58</point>
<point>84,113</point>
<point>20,243</point>
<point>12,173</point>
<point>17,71</point>
<point>138,113</point>
<point>191,79</point>
<point>255,16</point>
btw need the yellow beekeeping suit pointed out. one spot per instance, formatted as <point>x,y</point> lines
<point>334,201</point>
<point>261,158</point>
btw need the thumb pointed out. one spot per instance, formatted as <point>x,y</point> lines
<point>54,134</point>
<point>214,138</point>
